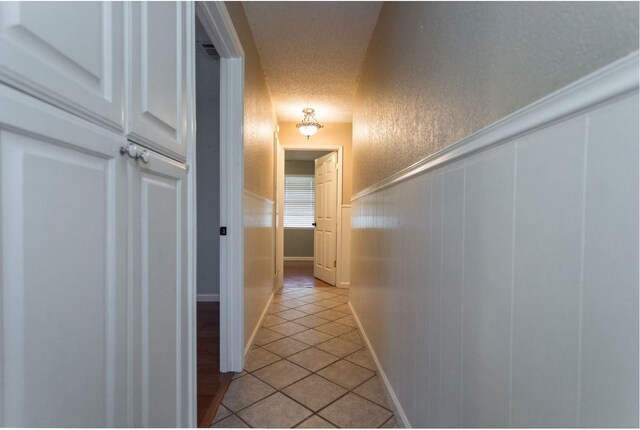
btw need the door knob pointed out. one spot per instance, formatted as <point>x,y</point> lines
<point>313,224</point>
<point>144,156</point>
<point>131,150</point>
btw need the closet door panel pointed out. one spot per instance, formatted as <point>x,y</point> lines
<point>63,279</point>
<point>69,54</point>
<point>157,80</point>
<point>159,292</point>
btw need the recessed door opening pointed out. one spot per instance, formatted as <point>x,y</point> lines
<point>211,384</point>
<point>310,217</point>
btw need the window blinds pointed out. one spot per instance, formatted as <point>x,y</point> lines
<point>298,201</point>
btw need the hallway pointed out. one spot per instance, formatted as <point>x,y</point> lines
<point>309,367</point>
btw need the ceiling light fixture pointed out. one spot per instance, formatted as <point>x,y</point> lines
<point>309,125</point>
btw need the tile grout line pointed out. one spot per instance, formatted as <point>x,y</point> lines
<point>360,347</point>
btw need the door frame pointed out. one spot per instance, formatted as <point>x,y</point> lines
<point>280,204</point>
<point>217,23</point>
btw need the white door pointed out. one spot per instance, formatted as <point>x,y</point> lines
<point>63,284</point>
<point>326,185</point>
<point>157,77</point>
<point>67,53</point>
<point>158,301</point>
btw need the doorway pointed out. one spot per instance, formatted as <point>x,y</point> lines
<point>211,383</point>
<point>309,189</point>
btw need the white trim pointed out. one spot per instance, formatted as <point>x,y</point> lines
<point>346,206</point>
<point>280,204</point>
<point>192,245</point>
<point>391,395</point>
<point>298,258</point>
<point>208,297</point>
<point>344,285</point>
<point>216,21</point>
<point>257,197</point>
<point>610,82</point>
<point>254,333</point>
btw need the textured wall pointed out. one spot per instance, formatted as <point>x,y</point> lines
<point>437,71</point>
<point>259,123</point>
<point>332,134</point>
<point>502,290</point>
<point>208,169</point>
<point>259,117</point>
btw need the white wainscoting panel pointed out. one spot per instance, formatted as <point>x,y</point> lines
<point>258,260</point>
<point>345,248</point>
<point>500,288</point>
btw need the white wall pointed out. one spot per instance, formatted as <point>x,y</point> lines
<point>208,170</point>
<point>502,290</point>
<point>258,260</point>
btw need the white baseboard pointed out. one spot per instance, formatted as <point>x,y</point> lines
<point>344,285</point>
<point>208,297</point>
<point>298,258</point>
<point>401,417</point>
<point>254,333</point>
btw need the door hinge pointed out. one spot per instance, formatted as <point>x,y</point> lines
<point>223,231</point>
<point>335,263</point>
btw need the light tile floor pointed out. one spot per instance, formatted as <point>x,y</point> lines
<point>308,368</point>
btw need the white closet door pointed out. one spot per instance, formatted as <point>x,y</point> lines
<point>157,80</point>
<point>67,53</point>
<point>63,272</point>
<point>158,292</point>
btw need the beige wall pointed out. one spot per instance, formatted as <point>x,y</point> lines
<point>331,134</point>
<point>436,72</point>
<point>259,124</point>
<point>259,116</point>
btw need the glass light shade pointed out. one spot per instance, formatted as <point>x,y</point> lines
<point>308,130</point>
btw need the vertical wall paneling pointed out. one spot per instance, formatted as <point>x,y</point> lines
<point>499,287</point>
<point>434,304</point>
<point>487,287</point>
<point>608,369</point>
<point>549,212</point>
<point>450,395</point>
<point>345,254</point>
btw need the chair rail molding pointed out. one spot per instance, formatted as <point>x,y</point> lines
<point>610,82</point>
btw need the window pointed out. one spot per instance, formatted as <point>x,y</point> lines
<point>298,201</point>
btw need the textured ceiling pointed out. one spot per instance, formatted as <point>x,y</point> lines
<point>311,53</point>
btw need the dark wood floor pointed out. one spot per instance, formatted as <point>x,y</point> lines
<point>211,383</point>
<point>299,274</point>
